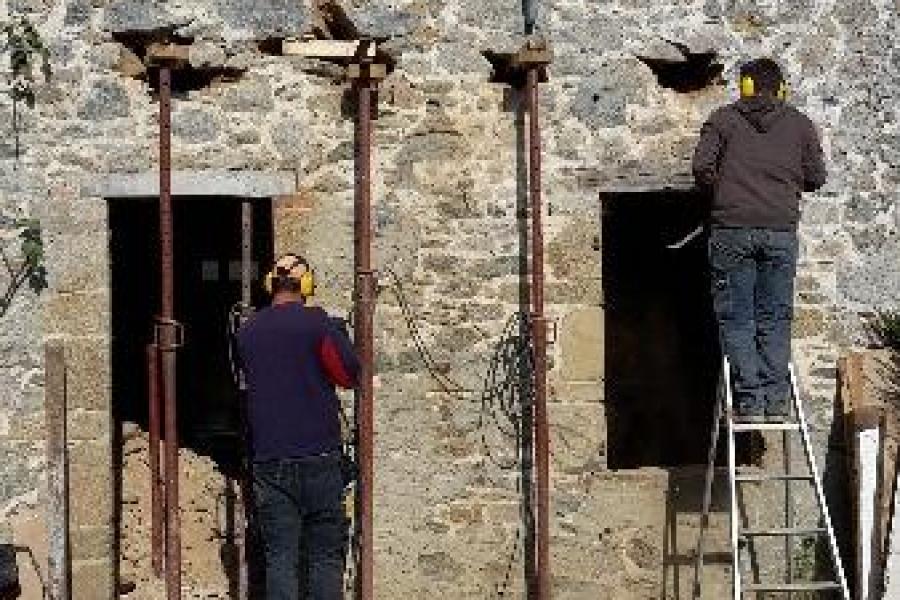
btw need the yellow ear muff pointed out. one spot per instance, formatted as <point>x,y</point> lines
<point>308,284</point>
<point>748,88</point>
<point>783,91</point>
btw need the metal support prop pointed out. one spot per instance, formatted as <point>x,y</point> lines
<point>539,323</point>
<point>156,483</point>
<point>57,470</point>
<point>244,481</point>
<point>246,252</point>
<point>168,330</point>
<point>363,309</point>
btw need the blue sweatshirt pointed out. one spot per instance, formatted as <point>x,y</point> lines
<point>293,356</point>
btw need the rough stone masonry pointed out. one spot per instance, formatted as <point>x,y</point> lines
<point>447,192</point>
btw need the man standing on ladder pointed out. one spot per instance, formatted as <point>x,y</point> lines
<point>757,155</point>
<point>293,356</point>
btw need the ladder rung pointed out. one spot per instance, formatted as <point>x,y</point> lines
<point>746,426</point>
<point>784,531</point>
<point>812,586</point>
<point>772,477</point>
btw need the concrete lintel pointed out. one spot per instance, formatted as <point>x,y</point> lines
<point>642,187</point>
<point>242,184</point>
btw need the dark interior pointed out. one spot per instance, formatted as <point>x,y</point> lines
<point>207,246</point>
<point>661,341</point>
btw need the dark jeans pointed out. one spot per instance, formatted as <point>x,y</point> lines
<point>300,511</point>
<point>753,293</point>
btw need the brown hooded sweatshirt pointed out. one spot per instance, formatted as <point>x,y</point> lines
<point>758,154</point>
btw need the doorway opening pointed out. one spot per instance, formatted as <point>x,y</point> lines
<point>207,247</point>
<point>207,281</point>
<point>662,353</point>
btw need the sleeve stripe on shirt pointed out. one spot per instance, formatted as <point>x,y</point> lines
<point>334,366</point>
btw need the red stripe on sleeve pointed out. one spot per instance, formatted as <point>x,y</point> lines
<point>334,367</point>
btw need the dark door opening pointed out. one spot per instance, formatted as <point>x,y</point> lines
<point>207,285</point>
<point>661,340</point>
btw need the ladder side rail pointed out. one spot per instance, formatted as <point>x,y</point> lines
<point>788,506</point>
<point>817,484</point>
<point>708,484</point>
<point>732,489</point>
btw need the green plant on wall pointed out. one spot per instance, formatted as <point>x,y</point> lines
<point>27,52</point>
<point>885,329</point>
<point>28,268</point>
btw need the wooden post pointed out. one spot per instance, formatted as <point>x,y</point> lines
<point>57,469</point>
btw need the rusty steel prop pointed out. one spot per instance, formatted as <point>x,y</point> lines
<point>245,479</point>
<point>364,84</point>
<point>168,337</point>
<point>156,485</point>
<point>539,324</point>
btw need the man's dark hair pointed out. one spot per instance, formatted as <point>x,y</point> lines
<point>283,284</point>
<point>766,74</point>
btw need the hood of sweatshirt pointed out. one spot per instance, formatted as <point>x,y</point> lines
<point>762,112</point>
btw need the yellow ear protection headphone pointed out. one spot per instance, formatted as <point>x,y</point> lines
<point>294,268</point>
<point>748,88</point>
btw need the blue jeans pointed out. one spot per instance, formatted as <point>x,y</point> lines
<point>753,273</point>
<point>300,512</point>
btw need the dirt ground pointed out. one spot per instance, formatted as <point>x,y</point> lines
<point>204,524</point>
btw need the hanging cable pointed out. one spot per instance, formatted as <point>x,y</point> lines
<point>506,395</point>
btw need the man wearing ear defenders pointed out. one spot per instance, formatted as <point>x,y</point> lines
<point>757,155</point>
<point>293,356</point>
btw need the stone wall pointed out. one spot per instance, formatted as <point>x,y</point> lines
<point>449,179</point>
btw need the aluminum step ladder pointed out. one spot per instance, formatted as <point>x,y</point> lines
<point>795,422</point>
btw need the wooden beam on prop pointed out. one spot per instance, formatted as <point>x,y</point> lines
<point>171,55</point>
<point>512,67</point>
<point>360,50</point>
<point>373,71</point>
<point>535,53</point>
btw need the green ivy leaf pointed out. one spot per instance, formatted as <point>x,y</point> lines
<point>37,279</point>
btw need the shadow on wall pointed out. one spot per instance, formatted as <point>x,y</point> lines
<point>835,478</point>
<point>685,71</point>
<point>10,583</point>
<point>9,573</point>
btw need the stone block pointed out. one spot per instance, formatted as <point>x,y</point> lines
<point>195,125</point>
<point>199,182</point>
<point>92,543</point>
<point>77,313</point>
<point>582,341</point>
<point>104,100</point>
<point>578,392</point>
<point>572,253</point>
<point>90,484</point>
<point>64,210</point>
<point>77,262</point>
<point>380,19</point>
<point>78,12</point>
<point>88,374</point>
<point>577,437</point>
<point>249,95</point>
<point>88,424</point>
<point>132,16</point>
<point>302,201</point>
<point>92,580</point>
<point>266,18</point>
<point>205,54</point>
